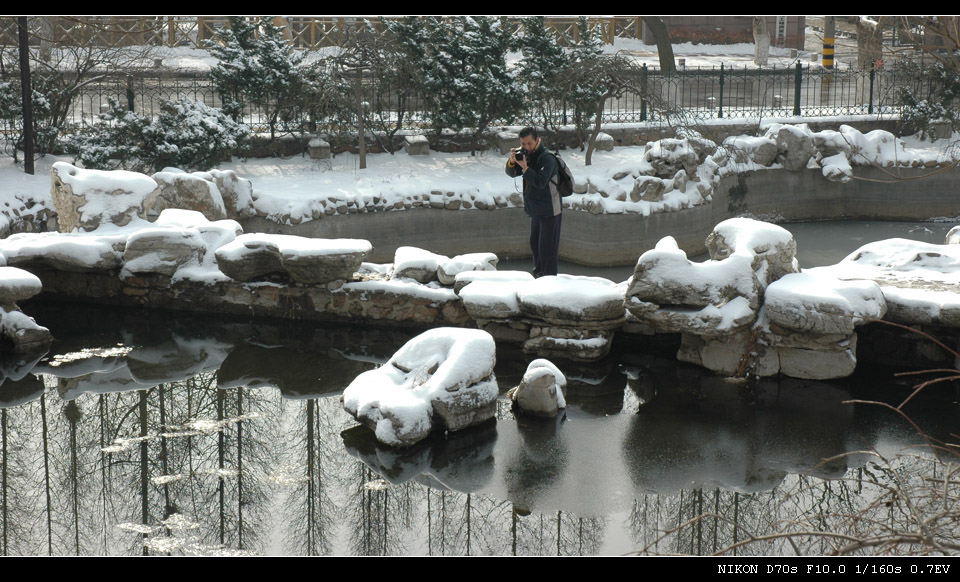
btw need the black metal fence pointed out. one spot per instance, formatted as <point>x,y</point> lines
<point>691,95</point>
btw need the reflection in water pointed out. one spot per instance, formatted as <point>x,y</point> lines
<point>168,435</point>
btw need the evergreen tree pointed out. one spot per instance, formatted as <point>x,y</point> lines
<point>466,74</point>
<point>256,67</point>
<point>540,71</point>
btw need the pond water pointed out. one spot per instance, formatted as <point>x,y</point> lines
<point>162,433</point>
<point>818,244</point>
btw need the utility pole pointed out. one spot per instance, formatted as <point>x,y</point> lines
<point>829,30</point>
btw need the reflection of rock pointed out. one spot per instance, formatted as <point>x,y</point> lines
<point>541,390</point>
<point>441,379</point>
<point>461,461</point>
<point>716,433</point>
<point>175,360</point>
<point>19,391</point>
<point>299,374</point>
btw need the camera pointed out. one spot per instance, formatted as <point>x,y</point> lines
<point>518,153</point>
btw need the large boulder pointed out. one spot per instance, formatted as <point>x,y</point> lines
<point>237,192</point>
<point>177,189</point>
<point>162,250</point>
<point>796,147</point>
<point>85,199</point>
<point>823,305</point>
<point>21,333</point>
<point>306,260</point>
<point>65,252</point>
<point>440,380</point>
<point>772,249</point>
<point>417,264</point>
<point>571,300</point>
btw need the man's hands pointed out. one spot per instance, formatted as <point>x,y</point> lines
<point>522,163</point>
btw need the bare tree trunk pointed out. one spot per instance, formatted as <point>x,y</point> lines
<point>26,92</point>
<point>761,39</point>
<point>661,36</point>
<point>592,140</point>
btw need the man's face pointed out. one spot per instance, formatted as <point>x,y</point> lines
<point>528,143</point>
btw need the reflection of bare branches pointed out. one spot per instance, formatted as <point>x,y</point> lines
<point>908,503</point>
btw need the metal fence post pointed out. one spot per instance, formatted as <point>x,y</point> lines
<point>720,111</point>
<point>873,74</point>
<point>797,80</point>
<point>643,93</point>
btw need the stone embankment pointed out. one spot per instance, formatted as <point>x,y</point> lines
<point>746,311</point>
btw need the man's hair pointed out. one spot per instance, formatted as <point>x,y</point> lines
<point>529,131</point>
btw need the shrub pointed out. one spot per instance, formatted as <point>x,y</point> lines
<point>187,135</point>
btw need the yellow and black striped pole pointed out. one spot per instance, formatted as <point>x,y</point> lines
<point>829,29</point>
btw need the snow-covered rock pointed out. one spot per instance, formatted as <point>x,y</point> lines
<point>162,250</point>
<point>306,260</point>
<point>571,300</point>
<point>236,192</point>
<point>541,390</point>
<point>796,146</point>
<point>178,189</point>
<point>22,333</point>
<point>448,270</point>
<point>440,380</point>
<point>85,199</point>
<point>74,252</point>
<point>417,264</point>
<point>17,285</point>
<point>822,305</point>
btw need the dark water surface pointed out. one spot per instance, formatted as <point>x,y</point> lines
<point>153,433</point>
<point>818,244</point>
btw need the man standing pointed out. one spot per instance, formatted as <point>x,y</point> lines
<point>541,199</point>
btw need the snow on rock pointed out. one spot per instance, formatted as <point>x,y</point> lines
<point>22,333</point>
<point>76,252</point>
<point>466,277</point>
<point>837,168</point>
<point>236,193</point>
<point>448,270</point>
<point>822,305</point>
<point>556,316</point>
<point>85,199</point>
<point>920,281</point>
<point>178,189</point>
<point>570,299</point>
<point>17,285</point>
<point>771,248</point>
<point>666,283</point>
<point>162,250</point>
<point>307,260</point>
<point>417,264</point>
<point>541,390</point>
<point>953,237</point>
<point>440,380</point>
<point>180,244</point>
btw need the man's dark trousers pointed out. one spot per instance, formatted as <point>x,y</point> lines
<point>545,244</point>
